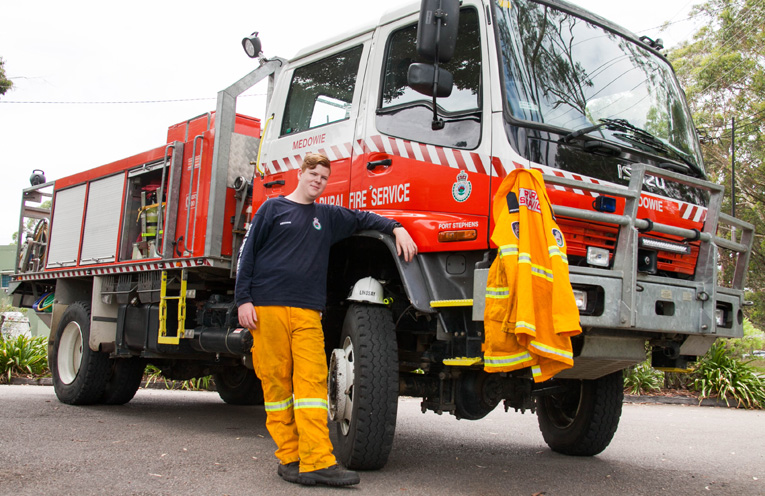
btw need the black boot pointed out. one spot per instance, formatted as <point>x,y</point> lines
<point>330,476</point>
<point>289,472</point>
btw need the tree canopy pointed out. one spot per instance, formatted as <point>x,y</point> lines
<point>5,83</point>
<point>723,72</point>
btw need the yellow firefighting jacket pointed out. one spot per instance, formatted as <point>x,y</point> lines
<point>530,311</point>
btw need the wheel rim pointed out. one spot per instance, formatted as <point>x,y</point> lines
<point>69,353</point>
<point>565,408</point>
<point>341,385</point>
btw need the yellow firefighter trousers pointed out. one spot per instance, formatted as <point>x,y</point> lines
<point>288,355</point>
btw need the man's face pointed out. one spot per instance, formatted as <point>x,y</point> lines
<point>313,181</point>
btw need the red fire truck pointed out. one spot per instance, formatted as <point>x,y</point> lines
<point>137,258</point>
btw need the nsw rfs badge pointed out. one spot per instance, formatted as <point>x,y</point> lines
<point>462,188</point>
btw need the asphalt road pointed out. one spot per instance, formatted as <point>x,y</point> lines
<point>184,443</point>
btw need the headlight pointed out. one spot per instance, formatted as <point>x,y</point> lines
<point>597,256</point>
<point>581,299</point>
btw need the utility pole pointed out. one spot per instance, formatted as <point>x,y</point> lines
<point>733,166</point>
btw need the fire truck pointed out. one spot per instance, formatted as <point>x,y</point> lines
<point>422,116</point>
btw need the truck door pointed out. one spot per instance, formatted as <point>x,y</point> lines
<point>315,112</point>
<point>435,182</point>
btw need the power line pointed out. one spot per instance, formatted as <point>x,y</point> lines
<point>116,102</point>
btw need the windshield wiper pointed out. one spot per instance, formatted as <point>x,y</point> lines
<point>641,137</point>
<point>612,124</point>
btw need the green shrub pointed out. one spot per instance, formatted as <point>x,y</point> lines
<point>154,374</point>
<point>23,355</point>
<point>720,373</point>
<point>642,378</point>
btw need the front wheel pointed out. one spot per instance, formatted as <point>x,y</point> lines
<point>582,420</point>
<point>363,388</point>
<point>79,373</point>
<point>239,386</point>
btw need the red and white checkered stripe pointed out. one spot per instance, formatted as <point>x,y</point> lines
<point>458,159</point>
<point>114,269</point>
<point>333,153</point>
<point>692,212</point>
<point>450,157</point>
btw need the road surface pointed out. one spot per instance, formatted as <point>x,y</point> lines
<point>191,443</point>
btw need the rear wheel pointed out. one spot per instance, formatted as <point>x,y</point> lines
<point>582,420</point>
<point>124,380</point>
<point>79,373</point>
<point>239,386</point>
<point>363,388</point>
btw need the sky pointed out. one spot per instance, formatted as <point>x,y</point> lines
<point>97,81</point>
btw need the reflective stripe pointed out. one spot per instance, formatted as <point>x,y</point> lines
<point>524,258</point>
<point>277,406</point>
<point>505,360</point>
<point>540,271</point>
<point>508,250</point>
<point>536,370</point>
<point>499,293</point>
<point>525,325</point>
<point>551,350</point>
<point>311,403</point>
<point>554,251</point>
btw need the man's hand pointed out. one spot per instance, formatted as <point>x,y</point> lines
<point>405,245</point>
<point>247,316</point>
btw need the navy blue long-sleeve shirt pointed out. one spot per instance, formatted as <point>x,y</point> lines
<point>285,257</point>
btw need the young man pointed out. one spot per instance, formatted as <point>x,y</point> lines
<point>281,291</point>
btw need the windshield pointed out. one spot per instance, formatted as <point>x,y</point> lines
<point>564,72</point>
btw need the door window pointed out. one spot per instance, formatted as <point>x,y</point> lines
<point>321,92</point>
<point>405,113</point>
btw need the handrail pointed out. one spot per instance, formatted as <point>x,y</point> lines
<point>160,220</point>
<point>186,243</point>
<point>625,258</point>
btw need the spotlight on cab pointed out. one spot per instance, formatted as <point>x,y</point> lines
<point>251,45</point>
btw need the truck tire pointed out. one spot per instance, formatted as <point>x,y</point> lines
<point>239,386</point>
<point>582,421</point>
<point>124,380</point>
<point>79,373</point>
<point>366,426</point>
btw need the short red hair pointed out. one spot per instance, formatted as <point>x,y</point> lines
<point>311,160</point>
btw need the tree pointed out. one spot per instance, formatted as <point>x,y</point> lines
<point>723,72</point>
<point>5,83</point>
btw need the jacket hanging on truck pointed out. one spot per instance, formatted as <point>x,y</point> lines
<point>531,312</point>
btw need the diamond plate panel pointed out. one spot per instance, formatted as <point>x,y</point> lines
<point>244,149</point>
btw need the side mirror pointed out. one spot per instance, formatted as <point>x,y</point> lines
<point>436,41</point>
<point>420,78</point>
<point>437,29</point>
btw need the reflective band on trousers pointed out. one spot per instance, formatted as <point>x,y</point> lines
<point>277,406</point>
<point>504,361</point>
<point>498,292</point>
<point>311,403</point>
